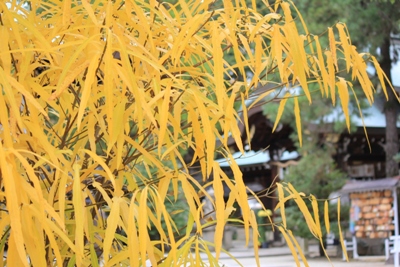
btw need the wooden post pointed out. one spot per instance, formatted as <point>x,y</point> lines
<point>395,212</point>
<point>396,229</point>
<point>396,249</point>
<point>355,252</point>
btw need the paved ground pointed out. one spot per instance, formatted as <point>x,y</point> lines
<point>287,261</point>
<point>281,257</point>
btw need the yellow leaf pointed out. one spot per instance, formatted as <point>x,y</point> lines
<point>281,204</point>
<point>326,217</point>
<point>383,79</point>
<point>276,49</point>
<point>50,227</point>
<point>164,112</point>
<point>296,51</point>
<point>101,162</point>
<point>142,224</point>
<point>91,239</point>
<point>78,212</point>
<point>332,46</point>
<point>12,252</point>
<point>34,246</point>
<point>118,131</point>
<point>13,203</point>
<point>361,116</point>
<point>344,99</point>
<point>207,132</point>
<point>118,258</point>
<point>133,238</point>
<point>280,110</point>
<point>68,76</point>
<point>189,193</point>
<point>12,105</point>
<point>77,69</point>
<point>89,10</point>
<point>46,224</point>
<point>304,210</point>
<point>314,205</point>
<point>66,11</point>
<point>345,42</point>
<point>112,223</point>
<point>219,209</point>
<point>259,58</point>
<point>218,66</point>
<point>5,55</point>
<point>243,198</point>
<point>340,231</point>
<point>331,76</point>
<point>289,242</point>
<point>298,119</point>
<point>146,154</point>
<point>104,194</point>
<point>86,91</point>
<point>255,236</point>
<point>321,63</point>
<point>298,247</point>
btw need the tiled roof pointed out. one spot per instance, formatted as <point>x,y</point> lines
<point>373,185</point>
<point>255,158</point>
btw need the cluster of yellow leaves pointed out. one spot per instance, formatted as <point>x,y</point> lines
<point>100,103</point>
<point>287,192</point>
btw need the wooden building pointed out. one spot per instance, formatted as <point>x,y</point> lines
<point>374,207</point>
<point>362,158</point>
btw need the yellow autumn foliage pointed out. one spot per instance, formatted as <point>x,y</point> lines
<point>101,100</point>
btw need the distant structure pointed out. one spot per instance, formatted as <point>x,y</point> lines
<point>272,153</point>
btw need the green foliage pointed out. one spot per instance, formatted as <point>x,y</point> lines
<point>369,21</point>
<point>314,174</point>
<point>179,210</point>
<point>323,115</point>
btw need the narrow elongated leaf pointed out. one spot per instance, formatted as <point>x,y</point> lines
<point>298,247</point>
<point>112,223</point>
<point>304,210</point>
<point>315,208</point>
<point>344,99</point>
<point>281,204</point>
<point>5,56</point>
<point>218,66</point>
<point>102,103</point>
<point>142,224</point>
<point>79,212</point>
<point>12,205</point>
<point>289,242</point>
<point>331,76</point>
<point>382,77</point>
<point>345,44</point>
<point>340,231</point>
<point>219,210</point>
<point>66,12</point>
<point>255,236</point>
<point>101,162</point>
<point>300,69</point>
<point>90,78</point>
<point>133,236</point>
<point>326,216</point>
<point>321,63</point>
<point>332,46</point>
<point>298,120</point>
<point>280,110</point>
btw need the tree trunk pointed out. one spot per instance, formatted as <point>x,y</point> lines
<point>391,114</point>
<point>392,146</point>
